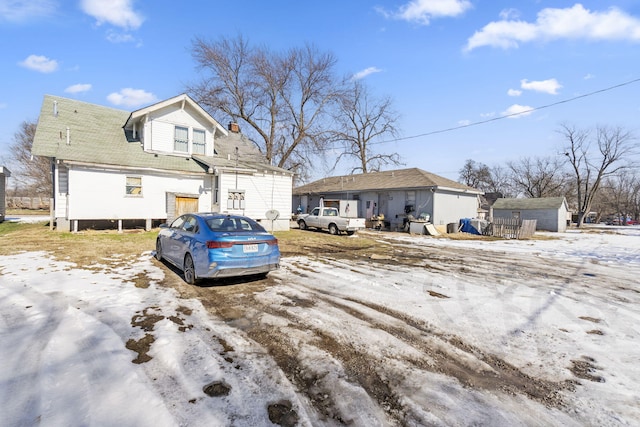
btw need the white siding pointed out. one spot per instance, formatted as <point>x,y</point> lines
<point>159,129</point>
<point>101,194</point>
<point>451,207</point>
<point>162,136</point>
<point>546,219</point>
<point>3,181</point>
<point>263,192</point>
<point>62,186</point>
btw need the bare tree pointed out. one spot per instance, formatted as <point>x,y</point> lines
<point>474,174</point>
<point>361,120</point>
<point>619,196</point>
<point>539,176</point>
<point>282,97</point>
<point>499,181</point>
<point>594,159</point>
<point>31,174</point>
<point>488,179</point>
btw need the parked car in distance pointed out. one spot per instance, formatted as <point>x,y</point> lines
<point>620,221</point>
<point>214,245</point>
<point>328,218</point>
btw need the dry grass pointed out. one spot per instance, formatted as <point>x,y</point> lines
<point>87,248</point>
<point>83,248</point>
<point>22,212</point>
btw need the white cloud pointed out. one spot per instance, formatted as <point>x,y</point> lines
<point>589,76</point>
<point>422,11</point>
<point>78,88</point>
<point>129,97</point>
<point>364,73</point>
<point>516,111</point>
<point>24,10</point>
<point>40,63</point>
<point>549,86</point>
<point>115,12</point>
<point>514,92</point>
<point>116,37</point>
<point>570,23</point>
<point>509,14</point>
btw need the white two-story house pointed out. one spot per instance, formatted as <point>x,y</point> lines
<point>113,168</point>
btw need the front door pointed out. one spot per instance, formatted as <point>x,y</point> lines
<point>186,205</point>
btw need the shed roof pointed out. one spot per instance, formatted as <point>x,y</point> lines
<point>412,178</point>
<point>531,203</point>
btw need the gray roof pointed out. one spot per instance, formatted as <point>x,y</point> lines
<point>97,136</point>
<point>413,178</point>
<point>530,203</point>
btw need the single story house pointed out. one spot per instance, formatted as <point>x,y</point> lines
<point>4,175</point>
<point>395,194</point>
<point>549,212</point>
<point>145,167</point>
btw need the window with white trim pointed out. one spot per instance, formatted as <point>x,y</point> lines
<point>181,139</point>
<point>199,143</point>
<point>235,199</point>
<point>134,186</point>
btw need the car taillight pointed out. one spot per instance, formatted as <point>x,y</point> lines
<point>273,242</point>
<point>213,244</point>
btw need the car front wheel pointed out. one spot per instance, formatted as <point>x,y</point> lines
<point>189,270</point>
<point>302,225</point>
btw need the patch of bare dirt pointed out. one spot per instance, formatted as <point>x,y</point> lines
<point>236,302</point>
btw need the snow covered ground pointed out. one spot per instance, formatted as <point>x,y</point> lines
<point>100,346</point>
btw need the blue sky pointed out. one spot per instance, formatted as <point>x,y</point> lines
<point>447,64</point>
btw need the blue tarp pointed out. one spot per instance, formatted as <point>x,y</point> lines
<point>467,227</point>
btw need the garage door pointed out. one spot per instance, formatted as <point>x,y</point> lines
<point>186,205</point>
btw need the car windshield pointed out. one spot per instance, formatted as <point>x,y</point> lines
<point>233,224</point>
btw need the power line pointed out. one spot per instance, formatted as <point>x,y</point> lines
<point>506,116</point>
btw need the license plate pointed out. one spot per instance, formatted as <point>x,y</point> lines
<point>250,248</point>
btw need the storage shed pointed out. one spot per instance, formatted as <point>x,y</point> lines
<point>4,174</point>
<point>550,212</point>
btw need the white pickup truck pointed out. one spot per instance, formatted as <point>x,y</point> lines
<point>330,219</point>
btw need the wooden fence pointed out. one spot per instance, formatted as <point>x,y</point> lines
<point>511,228</point>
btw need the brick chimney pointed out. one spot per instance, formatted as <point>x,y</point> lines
<point>234,127</point>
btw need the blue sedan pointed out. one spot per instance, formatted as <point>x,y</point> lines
<point>213,245</point>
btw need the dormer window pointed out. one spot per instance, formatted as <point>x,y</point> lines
<point>198,141</point>
<point>181,139</point>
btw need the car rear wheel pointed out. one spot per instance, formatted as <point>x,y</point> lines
<point>302,225</point>
<point>189,270</point>
<point>333,229</point>
<point>158,250</point>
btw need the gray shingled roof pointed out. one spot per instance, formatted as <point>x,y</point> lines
<point>97,136</point>
<point>388,180</point>
<point>531,203</point>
